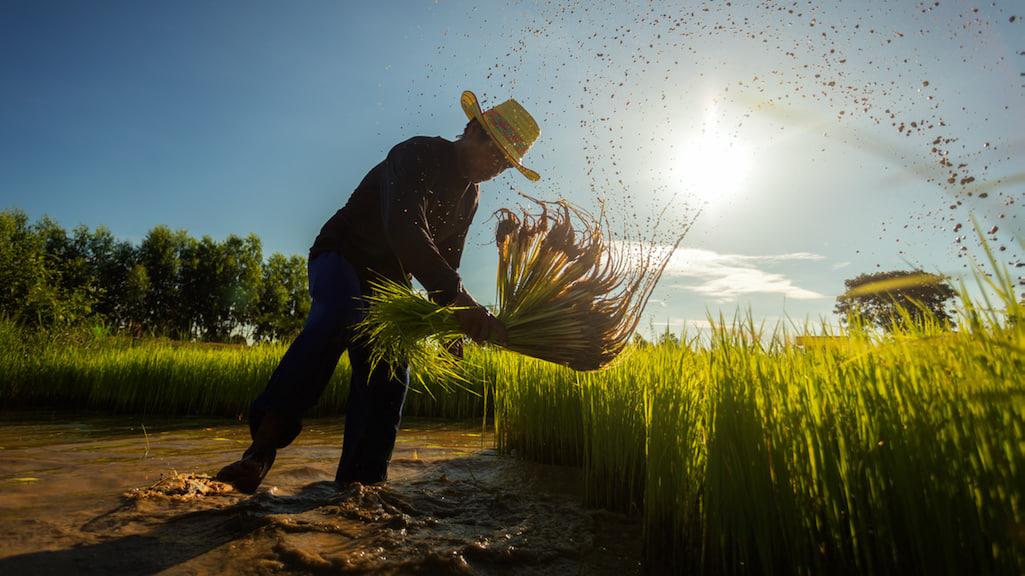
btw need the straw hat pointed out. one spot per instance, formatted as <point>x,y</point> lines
<point>509,125</point>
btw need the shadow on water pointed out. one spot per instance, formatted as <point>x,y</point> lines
<point>174,541</point>
<point>170,544</point>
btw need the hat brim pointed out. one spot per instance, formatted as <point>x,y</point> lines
<point>472,109</point>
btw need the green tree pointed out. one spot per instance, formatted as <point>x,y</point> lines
<point>159,255</point>
<point>67,268</point>
<point>133,313</point>
<point>202,278</point>
<point>110,263</point>
<point>170,285</point>
<point>244,257</point>
<point>221,285</point>
<point>284,299</point>
<point>194,285</point>
<point>668,338</point>
<point>299,300</point>
<point>892,299</point>
<point>115,271</point>
<point>27,292</point>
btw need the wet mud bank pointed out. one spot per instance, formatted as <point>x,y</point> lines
<point>103,497</point>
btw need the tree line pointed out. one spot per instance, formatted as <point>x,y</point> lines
<point>177,286</point>
<point>170,284</point>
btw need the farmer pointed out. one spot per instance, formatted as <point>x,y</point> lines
<point>409,216</point>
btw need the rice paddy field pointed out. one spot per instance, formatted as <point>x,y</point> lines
<point>744,452</point>
<point>158,376</point>
<point>860,457</point>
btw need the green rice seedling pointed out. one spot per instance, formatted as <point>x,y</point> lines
<point>560,280</point>
<point>402,324</point>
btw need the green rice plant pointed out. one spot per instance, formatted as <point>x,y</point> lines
<point>615,406</point>
<point>85,370</point>
<point>861,452</point>
<point>523,417</point>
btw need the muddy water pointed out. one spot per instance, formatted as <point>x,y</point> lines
<point>100,495</point>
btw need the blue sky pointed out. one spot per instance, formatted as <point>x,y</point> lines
<point>783,123</point>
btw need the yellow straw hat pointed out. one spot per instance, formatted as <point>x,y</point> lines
<point>509,125</point>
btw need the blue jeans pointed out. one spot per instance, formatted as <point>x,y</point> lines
<point>375,399</point>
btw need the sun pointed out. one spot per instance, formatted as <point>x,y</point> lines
<point>712,165</point>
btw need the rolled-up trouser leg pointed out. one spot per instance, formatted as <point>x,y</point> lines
<point>307,366</point>
<point>372,419</point>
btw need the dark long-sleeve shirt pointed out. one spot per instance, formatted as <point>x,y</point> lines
<point>409,215</point>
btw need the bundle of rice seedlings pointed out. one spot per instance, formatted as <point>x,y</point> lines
<point>567,293</point>
<point>405,326</point>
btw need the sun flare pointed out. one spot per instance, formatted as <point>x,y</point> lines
<point>712,165</point>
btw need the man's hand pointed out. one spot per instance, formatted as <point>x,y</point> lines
<point>455,348</point>
<point>477,323</point>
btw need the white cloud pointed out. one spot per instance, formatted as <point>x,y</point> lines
<point>724,277</point>
<point>840,265</point>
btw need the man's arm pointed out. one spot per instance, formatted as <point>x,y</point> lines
<point>404,193</point>
<point>452,248</point>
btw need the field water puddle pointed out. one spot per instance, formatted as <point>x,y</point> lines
<point>99,495</point>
